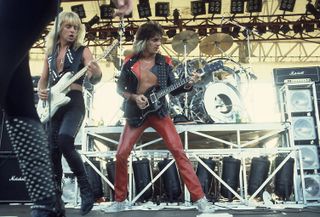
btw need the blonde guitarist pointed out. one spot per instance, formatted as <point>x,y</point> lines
<point>63,62</point>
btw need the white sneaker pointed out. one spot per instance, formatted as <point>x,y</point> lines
<point>117,207</point>
<point>203,205</point>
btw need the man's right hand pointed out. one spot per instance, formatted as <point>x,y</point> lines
<point>141,100</point>
<point>43,94</point>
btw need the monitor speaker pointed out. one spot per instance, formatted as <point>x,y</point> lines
<point>12,184</point>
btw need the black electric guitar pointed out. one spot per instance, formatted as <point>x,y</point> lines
<point>154,93</point>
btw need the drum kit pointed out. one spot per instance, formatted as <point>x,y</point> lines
<point>216,97</point>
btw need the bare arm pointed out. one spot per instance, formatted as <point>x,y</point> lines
<point>94,72</point>
<point>43,81</point>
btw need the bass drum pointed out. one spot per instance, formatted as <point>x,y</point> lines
<point>217,103</point>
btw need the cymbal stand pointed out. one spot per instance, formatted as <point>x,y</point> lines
<point>186,109</point>
<point>248,33</point>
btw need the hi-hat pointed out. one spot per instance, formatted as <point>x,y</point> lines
<point>188,39</point>
<point>216,43</point>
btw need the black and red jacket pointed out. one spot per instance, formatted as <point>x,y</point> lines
<point>129,78</point>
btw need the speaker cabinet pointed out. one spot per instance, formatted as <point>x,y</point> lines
<point>12,184</point>
<point>300,100</point>
<point>310,157</point>
<point>303,128</point>
<point>312,187</point>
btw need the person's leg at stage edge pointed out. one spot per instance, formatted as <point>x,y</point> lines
<point>30,143</point>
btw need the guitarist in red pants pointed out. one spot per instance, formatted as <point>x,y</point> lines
<point>140,73</point>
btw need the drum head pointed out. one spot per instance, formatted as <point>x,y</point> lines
<point>222,102</point>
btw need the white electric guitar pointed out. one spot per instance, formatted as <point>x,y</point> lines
<point>58,92</point>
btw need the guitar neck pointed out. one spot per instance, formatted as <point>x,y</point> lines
<point>84,69</point>
<point>208,68</point>
<point>172,87</point>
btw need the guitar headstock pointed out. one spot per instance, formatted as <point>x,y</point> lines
<point>212,67</point>
<point>113,45</point>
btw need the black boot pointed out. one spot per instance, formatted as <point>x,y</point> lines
<point>30,143</point>
<point>66,144</point>
<point>86,194</point>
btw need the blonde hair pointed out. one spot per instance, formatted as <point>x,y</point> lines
<point>70,18</point>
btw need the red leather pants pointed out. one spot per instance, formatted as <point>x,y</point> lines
<point>165,127</point>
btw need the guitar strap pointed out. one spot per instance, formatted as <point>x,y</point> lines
<point>162,73</point>
<point>71,63</point>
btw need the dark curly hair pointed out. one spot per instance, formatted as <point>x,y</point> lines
<point>148,30</point>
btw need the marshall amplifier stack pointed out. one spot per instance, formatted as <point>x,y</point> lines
<point>12,184</point>
<point>298,74</point>
<point>299,107</point>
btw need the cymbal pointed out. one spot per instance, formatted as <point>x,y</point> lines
<point>187,38</point>
<point>216,43</point>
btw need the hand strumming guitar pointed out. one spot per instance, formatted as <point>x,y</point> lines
<point>141,100</point>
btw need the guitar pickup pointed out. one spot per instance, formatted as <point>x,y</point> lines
<point>153,98</point>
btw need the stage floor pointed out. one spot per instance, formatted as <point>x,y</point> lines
<point>310,211</point>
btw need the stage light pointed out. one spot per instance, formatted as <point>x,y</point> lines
<point>261,29</point>
<point>128,35</point>
<point>285,28</point>
<point>144,9</point>
<point>237,6</point>
<point>297,28</point>
<point>176,17</point>
<point>198,8</point>
<point>162,9</point>
<point>226,29</point>
<point>205,177</point>
<point>258,174</point>
<point>284,178</point>
<point>312,9</point>
<point>171,33</point>
<point>111,171</point>
<point>309,27</point>
<point>91,36</point>
<point>103,35</point>
<point>79,9</point>
<point>274,29</point>
<point>171,180</point>
<point>142,177</point>
<point>254,6</point>
<point>287,5</point>
<point>94,20</point>
<point>214,7</point>
<point>106,11</point>
<point>235,31</point>
<point>230,174</point>
<point>202,31</point>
